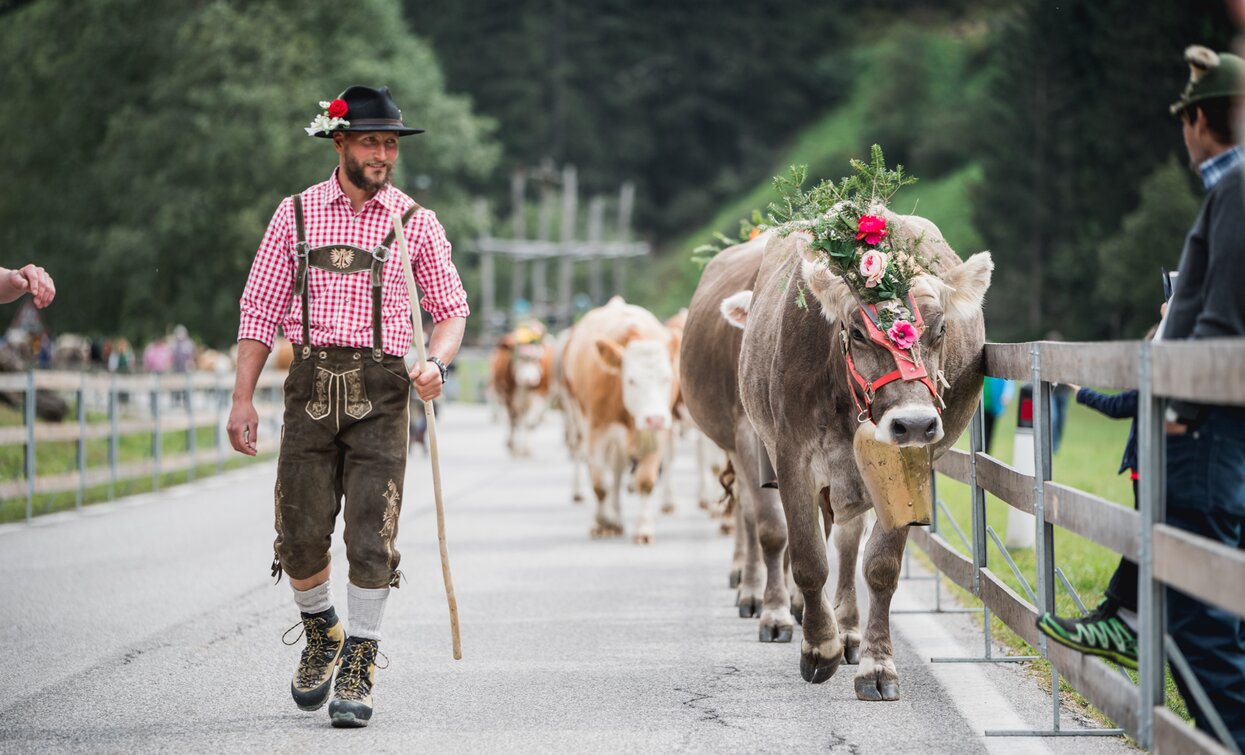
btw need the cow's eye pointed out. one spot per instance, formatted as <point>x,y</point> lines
<point>858,335</point>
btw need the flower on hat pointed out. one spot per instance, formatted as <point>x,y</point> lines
<point>873,267</point>
<point>903,334</point>
<point>330,119</point>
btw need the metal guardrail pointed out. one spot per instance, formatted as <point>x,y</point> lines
<point>173,404</point>
<point>1205,371</point>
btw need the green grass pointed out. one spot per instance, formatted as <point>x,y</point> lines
<point>1087,460</point>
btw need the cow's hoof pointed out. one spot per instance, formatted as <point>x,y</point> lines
<point>816,669</point>
<point>798,612</point>
<point>727,528</point>
<point>876,690</point>
<point>749,607</point>
<point>851,648</point>
<point>876,681</point>
<point>644,538</point>
<point>775,633</point>
<point>605,530</point>
<point>577,498</point>
<point>704,505</point>
<point>736,575</point>
<point>667,508</point>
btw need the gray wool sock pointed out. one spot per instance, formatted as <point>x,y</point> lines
<point>318,599</point>
<point>367,608</point>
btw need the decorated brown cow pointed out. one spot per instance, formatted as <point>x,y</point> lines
<point>521,369</point>
<point>862,323</point>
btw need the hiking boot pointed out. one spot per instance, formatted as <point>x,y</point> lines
<point>1102,632</point>
<point>352,692</point>
<point>314,676</point>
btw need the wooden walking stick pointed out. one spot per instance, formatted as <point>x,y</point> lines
<point>418,337</point>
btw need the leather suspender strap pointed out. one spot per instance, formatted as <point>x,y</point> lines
<point>379,255</point>
<point>301,250</point>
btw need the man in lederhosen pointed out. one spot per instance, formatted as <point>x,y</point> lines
<point>329,274</point>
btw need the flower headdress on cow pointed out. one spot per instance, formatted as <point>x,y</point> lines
<point>847,225</point>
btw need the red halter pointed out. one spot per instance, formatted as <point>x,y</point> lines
<point>907,361</point>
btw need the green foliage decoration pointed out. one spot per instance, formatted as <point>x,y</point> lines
<point>849,231</point>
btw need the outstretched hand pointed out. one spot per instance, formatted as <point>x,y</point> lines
<point>34,280</point>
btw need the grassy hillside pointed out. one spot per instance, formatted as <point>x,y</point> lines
<point>826,146</point>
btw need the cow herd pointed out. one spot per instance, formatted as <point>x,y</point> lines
<point>773,369</point>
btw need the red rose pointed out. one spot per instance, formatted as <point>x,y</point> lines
<point>872,229</point>
<point>338,108</point>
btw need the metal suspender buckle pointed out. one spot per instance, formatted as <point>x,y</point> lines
<point>380,253</point>
<point>302,249</point>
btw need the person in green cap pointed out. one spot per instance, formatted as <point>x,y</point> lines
<point>1205,483</point>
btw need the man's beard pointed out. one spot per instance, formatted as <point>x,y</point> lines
<point>354,171</point>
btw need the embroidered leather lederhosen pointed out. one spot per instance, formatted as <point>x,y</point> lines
<point>345,434</point>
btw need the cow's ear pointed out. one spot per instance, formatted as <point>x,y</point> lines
<point>966,286</point>
<point>829,289</point>
<point>506,342</point>
<point>611,352</point>
<point>803,244</point>
<point>735,308</point>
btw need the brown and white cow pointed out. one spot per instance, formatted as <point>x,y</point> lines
<point>520,372</point>
<point>709,360</point>
<point>793,381</point>
<point>619,367</point>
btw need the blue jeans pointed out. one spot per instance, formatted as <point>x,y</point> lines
<point>1206,496</point>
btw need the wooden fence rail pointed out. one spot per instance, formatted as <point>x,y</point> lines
<point>1211,372</point>
<point>154,405</point>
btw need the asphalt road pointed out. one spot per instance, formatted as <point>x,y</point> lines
<point>151,625</point>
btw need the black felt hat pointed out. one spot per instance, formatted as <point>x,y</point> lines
<point>360,108</point>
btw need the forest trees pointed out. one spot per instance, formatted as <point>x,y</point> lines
<point>158,137</point>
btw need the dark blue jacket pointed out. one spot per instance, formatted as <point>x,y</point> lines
<point>1118,406</point>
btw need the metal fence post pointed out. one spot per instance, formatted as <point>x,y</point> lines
<point>191,430</point>
<point>1045,535</point>
<point>81,441</point>
<point>30,444</point>
<point>976,437</point>
<point>219,400</point>
<point>1151,599</point>
<point>156,439</point>
<point>112,437</point>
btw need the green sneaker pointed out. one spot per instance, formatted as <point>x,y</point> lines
<point>1102,633</point>
<point>313,678</point>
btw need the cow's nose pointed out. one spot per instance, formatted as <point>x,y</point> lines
<point>903,430</point>
<point>654,422</point>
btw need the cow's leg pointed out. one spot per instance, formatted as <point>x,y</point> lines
<point>646,473</point>
<point>604,471</point>
<point>735,516</point>
<point>707,458</point>
<point>821,650</point>
<point>577,480</point>
<point>797,597</point>
<point>618,465</point>
<point>877,678</point>
<point>667,473</point>
<point>777,623</point>
<point>846,610</point>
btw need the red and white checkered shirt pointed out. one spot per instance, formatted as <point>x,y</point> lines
<point>341,305</point>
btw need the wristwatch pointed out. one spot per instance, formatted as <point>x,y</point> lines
<point>440,366</point>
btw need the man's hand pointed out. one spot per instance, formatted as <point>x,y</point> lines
<point>243,427</point>
<point>427,380</point>
<point>30,279</point>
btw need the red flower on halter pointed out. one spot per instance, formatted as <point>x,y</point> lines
<point>338,108</point>
<point>872,229</point>
<point>903,334</point>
